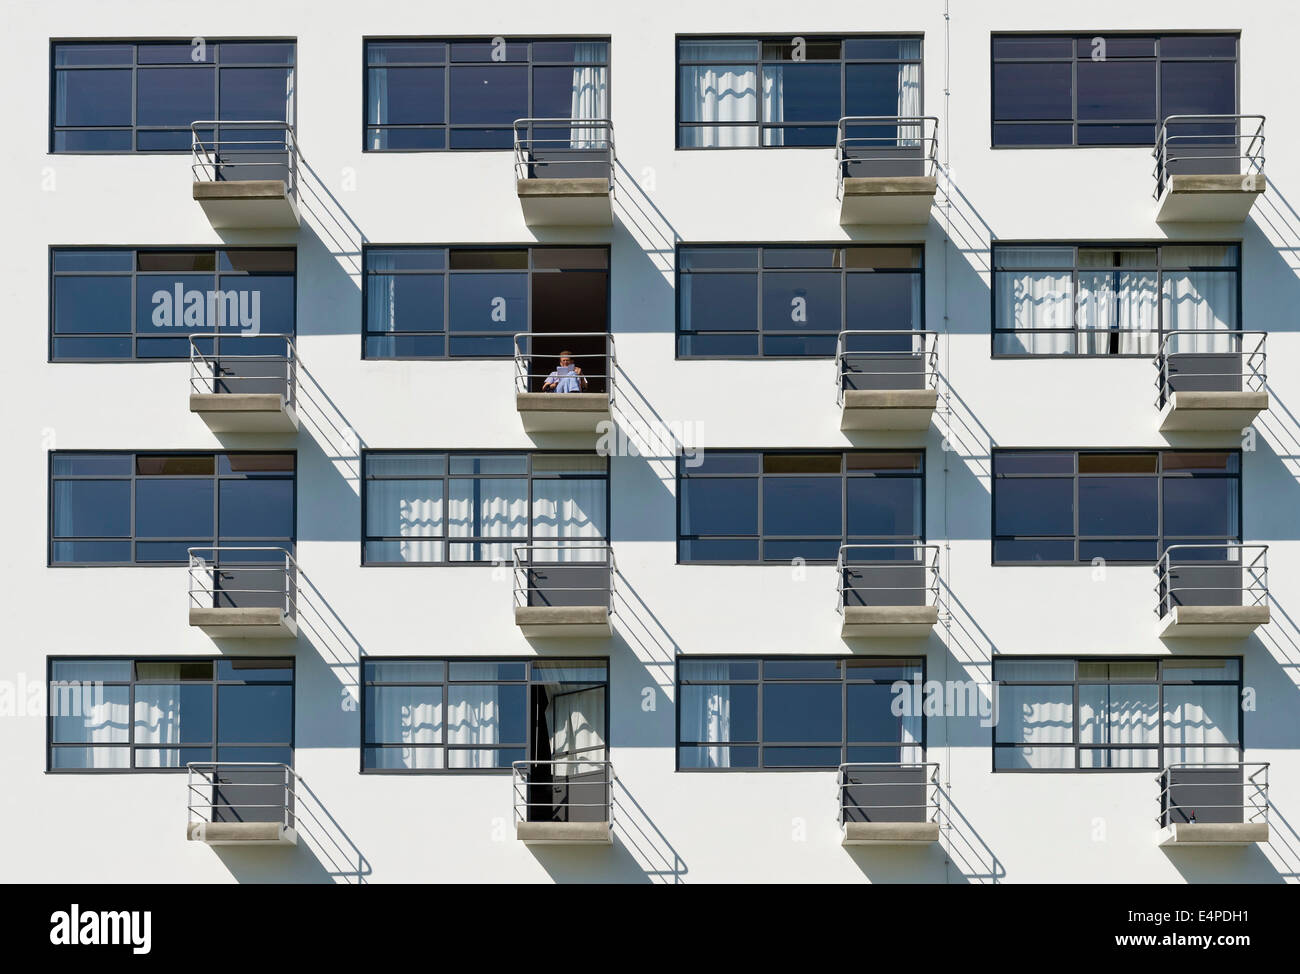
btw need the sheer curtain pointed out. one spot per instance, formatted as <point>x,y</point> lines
<point>1204,299</point>
<point>487,507</point>
<point>1201,724</point>
<point>158,721</point>
<point>590,96</point>
<point>576,720</point>
<point>381,302</point>
<point>909,92</point>
<point>474,719</point>
<point>706,713</point>
<point>1119,714</point>
<point>409,715</point>
<point>1029,301</point>
<point>569,509</point>
<point>718,93</point>
<point>411,510</point>
<point>100,715</point>
<point>1117,308</point>
<point>377,103</point>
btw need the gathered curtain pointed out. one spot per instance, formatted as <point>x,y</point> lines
<point>718,93</point>
<point>1119,714</point>
<point>576,722</point>
<point>1202,301</point>
<point>1035,303</point>
<point>590,96</point>
<point>706,713</point>
<point>1117,307</point>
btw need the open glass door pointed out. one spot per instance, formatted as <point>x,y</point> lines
<point>570,725</point>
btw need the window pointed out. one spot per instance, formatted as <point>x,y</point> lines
<point>1104,714</point>
<point>464,715</point>
<point>440,508</point>
<point>119,96</point>
<point>785,302</point>
<point>148,508</point>
<point>808,84</point>
<point>158,714</point>
<point>468,302</point>
<point>428,94</point>
<point>748,508</point>
<point>1067,299</point>
<point>1066,507</point>
<point>1098,89</point>
<point>123,304</point>
<point>797,712</point>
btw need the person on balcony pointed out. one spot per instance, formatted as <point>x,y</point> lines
<point>567,377</point>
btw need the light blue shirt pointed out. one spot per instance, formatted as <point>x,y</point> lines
<point>565,380</point>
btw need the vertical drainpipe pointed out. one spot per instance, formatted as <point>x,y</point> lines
<point>946,562</point>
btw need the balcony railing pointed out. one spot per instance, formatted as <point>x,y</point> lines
<point>537,362</point>
<point>1209,145</point>
<point>900,574</point>
<point>885,146</point>
<point>1213,793</point>
<point>566,572</point>
<point>245,391</point>
<point>240,590</point>
<point>1212,575</point>
<point>226,151</point>
<point>1210,360</point>
<point>247,802</point>
<point>889,791</point>
<point>566,802</point>
<point>885,360</point>
<point>565,148</point>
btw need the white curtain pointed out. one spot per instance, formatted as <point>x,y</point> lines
<point>774,102</point>
<point>92,713</point>
<point>569,511</point>
<point>1201,724</point>
<point>1200,300</point>
<point>158,721</point>
<point>409,509</point>
<point>590,96</point>
<point>473,718</point>
<point>377,109</point>
<point>1119,714</point>
<point>487,507</point>
<point>718,93</point>
<point>1031,300</point>
<point>706,713</point>
<point>1117,307</point>
<point>911,750</point>
<point>381,302</point>
<point>909,92</point>
<point>1040,719</point>
<point>411,716</point>
<point>576,720</point>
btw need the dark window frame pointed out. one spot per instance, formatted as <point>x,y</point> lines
<point>1080,333</point>
<point>1073,121</point>
<point>1160,682</point>
<point>758,64</point>
<point>447,125</point>
<point>527,682</point>
<point>1159,539</point>
<point>758,331</point>
<point>217,477</point>
<point>215,682</point>
<point>843,476</point>
<point>134,67</point>
<point>761,681</point>
<point>530,476</point>
<point>134,275</point>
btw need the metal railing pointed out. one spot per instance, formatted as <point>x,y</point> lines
<point>1210,360</point>
<point>241,791</point>
<point>1218,145</point>
<point>1216,574</point>
<point>580,790</point>
<point>267,580</point>
<point>870,581</point>
<point>889,791</point>
<point>885,145</point>
<point>1186,786</point>
<point>224,373</point>
<point>564,148</point>
<point>567,572</point>
<point>888,359</point>
<point>534,370</point>
<point>226,151</point>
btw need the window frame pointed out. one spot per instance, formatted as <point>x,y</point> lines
<point>215,682</point>
<point>135,66</point>
<point>1073,121</point>
<point>529,476</point>
<point>843,476</point>
<point>1159,682</point>
<point>1159,539</point>
<point>758,272</point>
<point>811,38</point>
<point>760,681</point>
<point>216,478</point>
<point>527,682</point>
<point>1080,333</point>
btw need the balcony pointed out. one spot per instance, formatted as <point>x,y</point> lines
<point>248,803</point>
<point>564,171</point>
<point>888,589</point>
<point>564,381</point>
<point>244,592</point>
<point>568,802</point>
<point>1212,590</point>
<point>885,169</point>
<point>1209,168</point>
<point>889,803</point>
<point>564,588</point>
<point>886,380</point>
<point>245,393</point>
<point>246,174</point>
<point>1213,804</point>
<point>1209,380</point>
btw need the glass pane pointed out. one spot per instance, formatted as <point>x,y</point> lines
<point>254,714</point>
<point>801,301</point>
<point>884,508</point>
<point>719,302</point>
<point>256,94</point>
<point>175,96</point>
<point>404,715</point>
<point>485,713</point>
<point>1118,506</point>
<point>1034,506</point>
<point>717,757</point>
<point>256,509</point>
<point>1022,671</point>
<point>92,305</point>
<point>720,506</point>
<point>489,94</point>
<point>1035,714</point>
<point>404,508</point>
<point>1199,88</point>
<point>254,670</point>
<point>1112,90</point>
<point>488,670</point>
<point>804,92</point>
<point>715,670</point>
<point>1032,91</point>
<point>403,671</point>
<point>70,758</point>
<point>719,713</point>
<point>174,509</point>
<point>803,712</point>
<point>1111,713</point>
<point>1201,506</point>
<point>489,303</point>
<point>173,671</point>
<point>93,98</point>
<point>176,713</point>
<point>406,96</point>
<point>92,509</point>
<point>871,714</point>
<point>1178,670</point>
<point>796,506</point>
<point>402,758</point>
<point>89,714</point>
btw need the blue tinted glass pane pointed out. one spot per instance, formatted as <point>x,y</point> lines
<point>583,51</point>
<point>799,506</point>
<point>405,52</point>
<point>719,258</point>
<point>889,302</point>
<point>93,54</point>
<point>733,346</point>
<point>802,669</point>
<point>1117,550</point>
<point>712,712</point>
<point>1032,91</point>
<point>489,94</point>
<point>870,713</point>
<point>801,757</point>
<point>80,552</point>
<point>1210,45</point>
<point>719,302</point>
<point>486,347</point>
<point>92,463</point>
<point>256,509</point>
<point>92,305</point>
<point>873,89</point>
<point>1029,135</point>
<point>265,303</point>
<point>817,550</point>
<point>554,97</point>
<point>92,98</point>
<point>399,139</point>
<point>166,551</point>
<point>1034,507</point>
<point>78,709</point>
<point>406,259</point>
<point>714,670</point>
<point>501,138</point>
<point>178,140</point>
<point>883,507</point>
<point>166,348</point>
<point>799,345</point>
<point>805,92</point>
<point>173,508</point>
<point>489,303</point>
<point>404,302</point>
<point>1116,134</point>
<point>800,135</point>
<point>1032,47</point>
<point>254,94</point>
<point>801,301</point>
<point>722,506</point>
<point>1200,506</point>
<point>1198,88</point>
<point>802,712</point>
<point>1004,463</point>
<point>406,347</point>
<point>406,96</point>
<point>92,509</point>
<point>261,755</point>
<point>1114,90</point>
<point>1118,506</point>
<point>163,310</point>
<point>175,96</point>
<point>257,52</point>
<point>173,713</point>
<point>1005,550</point>
<point>94,260</point>
<point>487,51</point>
<point>708,549</point>
<point>254,714</point>
<point>254,670</point>
<point>81,141</point>
<point>716,756</point>
<point>176,53</point>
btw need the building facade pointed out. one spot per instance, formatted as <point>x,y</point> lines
<point>628,445</point>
